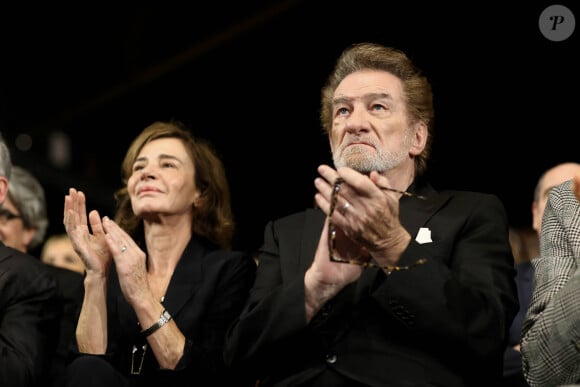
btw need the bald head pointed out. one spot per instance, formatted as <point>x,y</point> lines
<point>551,178</point>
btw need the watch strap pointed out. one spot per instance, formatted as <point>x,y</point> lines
<point>164,319</point>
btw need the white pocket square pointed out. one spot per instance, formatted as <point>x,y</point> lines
<point>423,236</point>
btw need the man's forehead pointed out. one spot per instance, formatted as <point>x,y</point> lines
<point>370,81</point>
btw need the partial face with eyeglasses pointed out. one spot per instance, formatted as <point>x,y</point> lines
<point>14,232</point>
<point>371,130</point>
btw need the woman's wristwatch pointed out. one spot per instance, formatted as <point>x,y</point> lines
<point>164,319</point>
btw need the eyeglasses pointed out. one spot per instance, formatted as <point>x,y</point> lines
<point>332,232</point>
<point>7,215</point>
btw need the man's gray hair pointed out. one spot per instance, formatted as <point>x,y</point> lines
<point>5,160</point>
<point>27,194</point>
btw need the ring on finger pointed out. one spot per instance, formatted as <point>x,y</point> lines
<point>345,207</point>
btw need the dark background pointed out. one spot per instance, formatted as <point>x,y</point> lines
<point>247,74</point>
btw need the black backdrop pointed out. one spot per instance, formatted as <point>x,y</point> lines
<point>247,77</point>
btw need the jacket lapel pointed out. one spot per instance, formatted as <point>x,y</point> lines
<point>186,277</point>
<point>415,213</point>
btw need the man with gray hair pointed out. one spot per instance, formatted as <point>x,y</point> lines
<point>23,216</point>
<point>30,307</point>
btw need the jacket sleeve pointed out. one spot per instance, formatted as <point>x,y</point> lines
<point>551,330</point>
<point>29,317</point>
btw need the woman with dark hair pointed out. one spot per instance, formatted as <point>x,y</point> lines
<point>162,283</point>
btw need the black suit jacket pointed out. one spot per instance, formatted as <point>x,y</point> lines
<point>206,293</point>
<point>30,310</point>
<point>71,285</point>
<point>444,323</point>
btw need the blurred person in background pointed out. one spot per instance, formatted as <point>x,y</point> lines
<point>23,214</point>
<point>525,245</point>
<point>30,305</point>
<point>58,251</point>
<point>23,226</point>
<point>550,330</point>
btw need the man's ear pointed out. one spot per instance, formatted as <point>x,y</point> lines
<point>3,188</point>
<point>419,140</point>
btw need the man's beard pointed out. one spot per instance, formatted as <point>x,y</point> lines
<point>365,161</point>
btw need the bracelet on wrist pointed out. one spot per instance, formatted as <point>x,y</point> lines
<point>164,319</point>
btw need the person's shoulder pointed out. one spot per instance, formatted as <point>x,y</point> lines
<point>564,205</point>
<point>563,191</point>
<point>472,197</point>
<point>71,283</point>
<point>65,274</point>
<point>19,260</point>
<point>474,203</point>
<point>25,267</point>
<point>214,253</point>
<point>230,261</point>
<point>565,186</point>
